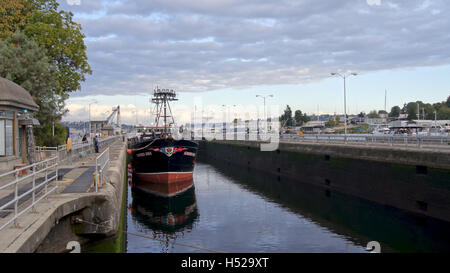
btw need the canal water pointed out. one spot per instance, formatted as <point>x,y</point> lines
<point>233,209</point>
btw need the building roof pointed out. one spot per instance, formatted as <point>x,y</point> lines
<point>314,124</point>
<point>12,94</point>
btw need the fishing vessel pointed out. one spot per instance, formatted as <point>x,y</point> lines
<point>159,160</point>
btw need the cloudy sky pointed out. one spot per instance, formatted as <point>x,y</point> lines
<point>227,51</point>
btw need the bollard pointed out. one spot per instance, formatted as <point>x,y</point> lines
<point>95,181</point>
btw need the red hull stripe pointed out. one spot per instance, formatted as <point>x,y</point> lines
<point>164,177</point>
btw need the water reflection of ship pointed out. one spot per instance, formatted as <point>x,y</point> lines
<point>168,214</point>
<point>166,217</point>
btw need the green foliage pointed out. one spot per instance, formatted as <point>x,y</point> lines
<point>13,15</point>
<point>395,112</point>
<point>373,114</point>
<point>330,123</point>
<point>44,135</point>
<point>286,118</point>
<point>448,102</point>
<point>411,110</point>
<point>444,113</point>
<point>62,37</point>
<point>42,49</point>
<point>25,63</point>
<point>300,118</point>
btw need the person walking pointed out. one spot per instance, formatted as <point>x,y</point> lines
<point>96,144</point>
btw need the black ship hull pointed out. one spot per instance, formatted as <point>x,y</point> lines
<point>163,165</point>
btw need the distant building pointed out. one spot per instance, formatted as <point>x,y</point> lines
<point>313,126</point>
<point>16,125</point>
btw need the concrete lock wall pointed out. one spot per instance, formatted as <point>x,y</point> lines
<point>415,181</point>
<point>103,208</point>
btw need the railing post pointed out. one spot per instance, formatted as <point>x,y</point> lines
<point>16,196</point>
<point>101,178</point>
<point>56,173</point>
<point>96,175</point>
<point>34,186</point>
<point>46,176</point>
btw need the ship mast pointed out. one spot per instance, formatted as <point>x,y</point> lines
<point>162,97</point>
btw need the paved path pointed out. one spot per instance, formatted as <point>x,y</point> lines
<point>82,183</point>
<point>75,178</point>
<point>27,187</point>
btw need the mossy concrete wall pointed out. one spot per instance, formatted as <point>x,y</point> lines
<point>415,181</point>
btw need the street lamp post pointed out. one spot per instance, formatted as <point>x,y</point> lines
<point>224,127</point>
<point>265,118</point>
<point>344,76</point>
<point>235,122</point>
<point>90,117</point>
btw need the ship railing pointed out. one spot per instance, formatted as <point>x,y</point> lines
<point>29,184</point>
<point>101,167</point>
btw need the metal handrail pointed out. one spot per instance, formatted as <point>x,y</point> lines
<point>101,167</point>
<point>36,168</point>
<point>373,139</point>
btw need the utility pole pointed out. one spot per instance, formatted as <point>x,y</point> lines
<point>418,112</point>
<point>345,100</point>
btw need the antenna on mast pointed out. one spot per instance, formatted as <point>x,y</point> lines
<point>162,97</point>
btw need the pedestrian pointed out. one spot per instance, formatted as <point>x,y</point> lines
<point>84,140</point>
<point>96,144</point>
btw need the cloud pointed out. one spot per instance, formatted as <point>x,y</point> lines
<point>74,2</point>
<point>206,45</point>
<point>373,2</point>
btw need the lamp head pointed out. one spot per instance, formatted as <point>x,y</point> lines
<point>354,73</point>
<point>333,74</point>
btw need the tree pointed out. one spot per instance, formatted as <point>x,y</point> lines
<point>448,102</point>
<point>301,118</point>
<point>362,114</point>
<point>411,110</point>
<point>373,114</point>
<point>444,113</point>
<point>395,112</point>
<point>25,63</point>
<point>429,111</point>
<point>286,118</point>
<point>14,15</point>
<point>298,117</point>
<point>58,38</point>
<point>56,32</point>
<point>330,123</point>
<point>62,37</point>
<point>306,118</point>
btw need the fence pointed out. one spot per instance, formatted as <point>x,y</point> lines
<point>39,178</point>
<point>101,167</point>
<point>79,150</point>
<point>366,139</point>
